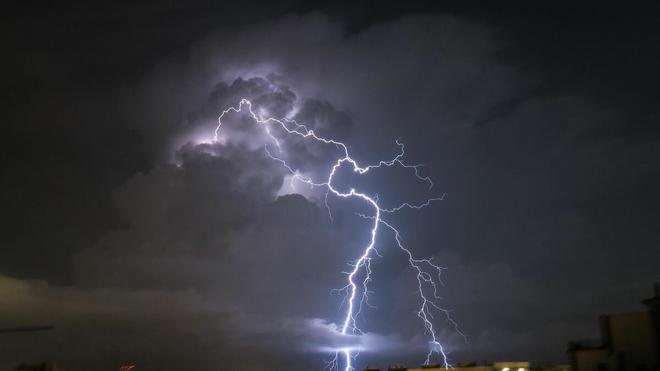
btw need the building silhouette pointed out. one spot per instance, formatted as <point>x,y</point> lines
<point>629,342</point>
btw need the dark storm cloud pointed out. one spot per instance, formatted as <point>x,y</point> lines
<point>147,326</point>
<point>213,265</point>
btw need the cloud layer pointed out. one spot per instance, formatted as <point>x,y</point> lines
<point>219,261</point>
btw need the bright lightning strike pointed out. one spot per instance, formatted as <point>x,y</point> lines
<point>427,273</point>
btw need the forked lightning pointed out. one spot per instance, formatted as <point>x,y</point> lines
<point>427,272</point>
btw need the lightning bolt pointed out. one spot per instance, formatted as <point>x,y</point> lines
<point>428,273</point>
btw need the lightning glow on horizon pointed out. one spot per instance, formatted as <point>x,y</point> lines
<point>427,273</point>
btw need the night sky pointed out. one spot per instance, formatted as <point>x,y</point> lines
<point>143,243</point>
